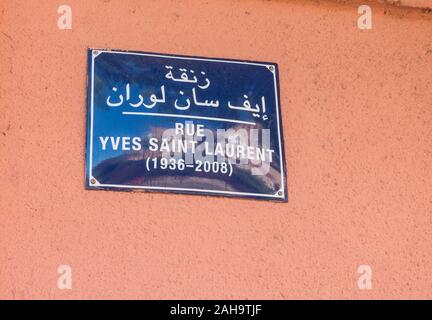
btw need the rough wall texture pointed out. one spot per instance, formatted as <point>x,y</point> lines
<point>410,3</point>
<point>358,125</point>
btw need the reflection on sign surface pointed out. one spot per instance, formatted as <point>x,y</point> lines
<point>184,124</point>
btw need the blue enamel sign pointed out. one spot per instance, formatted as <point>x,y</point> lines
<point>184,124</point>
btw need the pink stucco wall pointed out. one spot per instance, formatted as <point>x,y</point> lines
<point>357,119</point>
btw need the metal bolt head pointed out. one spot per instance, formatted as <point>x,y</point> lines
<point>92,180</point>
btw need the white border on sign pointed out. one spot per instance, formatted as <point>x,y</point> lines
<point>279,194</point>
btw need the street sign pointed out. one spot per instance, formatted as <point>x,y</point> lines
<point>160,122</point>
